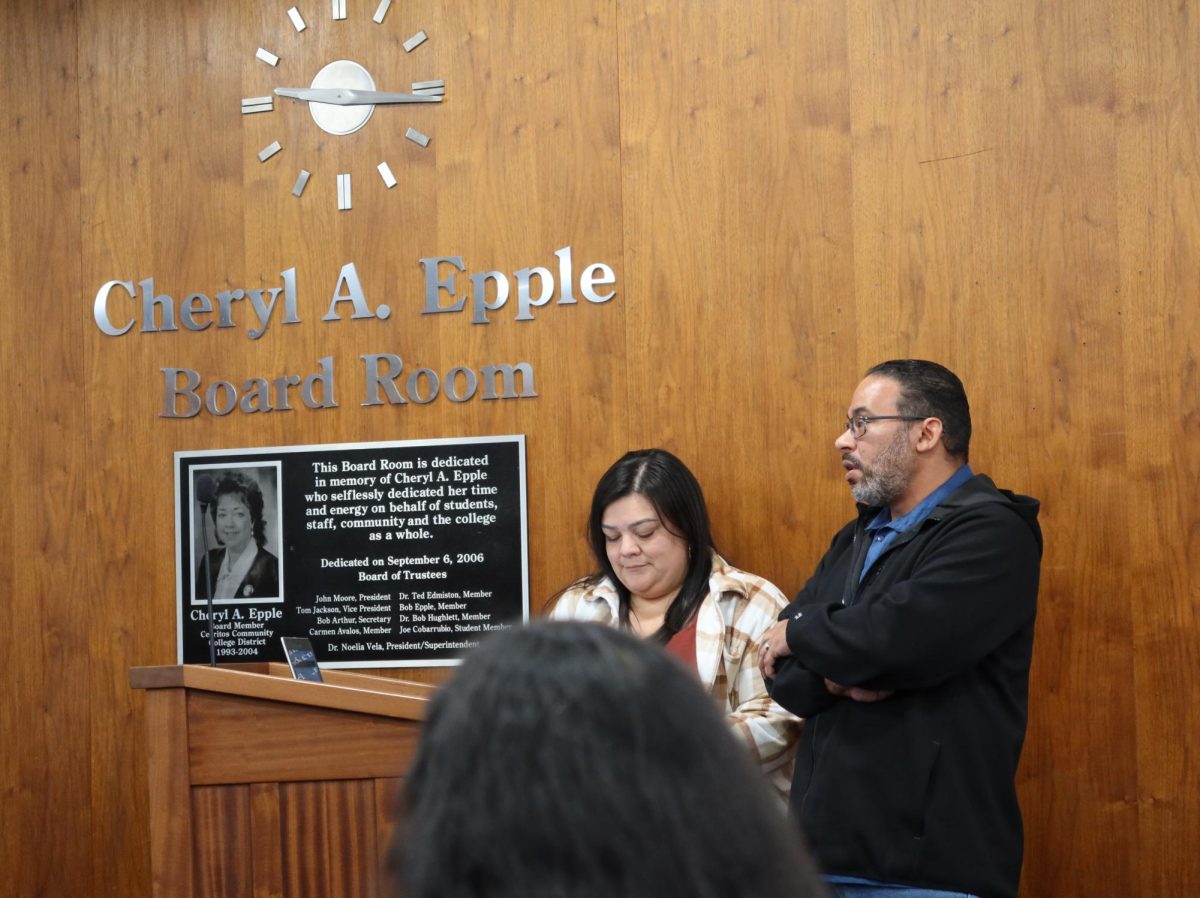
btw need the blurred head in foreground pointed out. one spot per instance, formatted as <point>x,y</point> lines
<point>571,759</point>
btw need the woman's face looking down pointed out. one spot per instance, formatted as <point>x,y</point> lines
<point>649,559</point>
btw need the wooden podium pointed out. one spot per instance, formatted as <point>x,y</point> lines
<point>261,785</point>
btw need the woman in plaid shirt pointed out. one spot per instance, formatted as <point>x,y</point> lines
<point>661,578</point>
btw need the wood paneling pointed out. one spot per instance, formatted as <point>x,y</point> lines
<point>51,722</point>
<point>290,840</point>
<point>1157,99</point>
<point>247,738</point>
<point>264,786</point>
<point>788,190</point>
<point>737,204</point>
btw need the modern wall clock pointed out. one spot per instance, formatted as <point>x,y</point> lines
<point>342,98</point>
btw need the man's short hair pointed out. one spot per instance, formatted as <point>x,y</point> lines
<point>934,391</point>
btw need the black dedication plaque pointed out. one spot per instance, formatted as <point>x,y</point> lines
<point>399,554</point>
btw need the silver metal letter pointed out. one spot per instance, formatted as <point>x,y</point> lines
<point>414,383</point>
<point>289,296</point>
<point>524,300</point>
<point>472,384</point>
<point>348,278</point>
<point>195,304</point>
<point>479,304</point>
<point>262,309</point>
<point>391,366</point>
<point>597,273</point>
<point>172,391</point>
<point>433,284</point>
<point>566,276</point>
<point>100,308</point>
<point>324,377</point>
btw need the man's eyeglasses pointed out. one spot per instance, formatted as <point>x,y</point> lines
<point>858,424</point>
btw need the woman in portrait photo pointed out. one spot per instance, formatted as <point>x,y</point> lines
<point>240,567</point>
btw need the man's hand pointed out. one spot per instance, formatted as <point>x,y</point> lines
<point>857,693</point>
<point>771,646</point>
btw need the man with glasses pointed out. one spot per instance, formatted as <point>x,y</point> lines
<point>908,652</point>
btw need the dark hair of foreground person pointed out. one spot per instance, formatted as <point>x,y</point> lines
<point>574,760</point>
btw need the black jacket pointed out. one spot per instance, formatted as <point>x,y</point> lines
<point>918,788</point>
<point>261,581</point>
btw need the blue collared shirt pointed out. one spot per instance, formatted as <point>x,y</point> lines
<point>883,530</point>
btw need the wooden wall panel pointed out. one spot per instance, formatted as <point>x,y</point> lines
<point>739,247</point>
<point>1158,104</point>
<point>48,787</point>
<point>788,192</point>
<point>989,204</point>
<point>1077,409</point>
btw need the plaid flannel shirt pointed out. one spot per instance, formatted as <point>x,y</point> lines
<point>737,611</point>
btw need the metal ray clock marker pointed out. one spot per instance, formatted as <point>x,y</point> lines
<point>342,98</point>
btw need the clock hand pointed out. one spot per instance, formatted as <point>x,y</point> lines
<point>345,96</point>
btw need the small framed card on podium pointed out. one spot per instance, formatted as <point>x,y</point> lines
<point>301,658</point>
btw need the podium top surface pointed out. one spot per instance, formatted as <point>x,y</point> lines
<point>342,691</point>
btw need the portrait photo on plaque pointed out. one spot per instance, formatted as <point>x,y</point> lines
<point>237,519</point>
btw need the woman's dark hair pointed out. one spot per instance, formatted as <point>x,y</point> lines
<point>673,490</point>
<point>932,390</point>
<point>573,760</point>
<point>247,489</point>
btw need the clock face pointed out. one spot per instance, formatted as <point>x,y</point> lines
<point>341,98</point>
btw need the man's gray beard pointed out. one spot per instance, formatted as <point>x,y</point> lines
<point>888,478</point>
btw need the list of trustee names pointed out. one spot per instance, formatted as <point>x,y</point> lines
<point>401,621</point>
<point>379,622</point>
